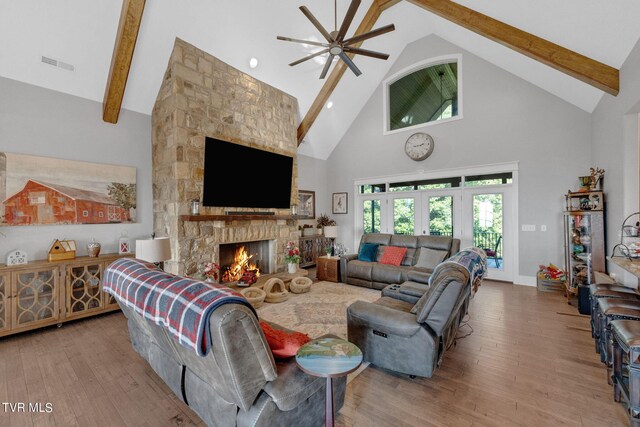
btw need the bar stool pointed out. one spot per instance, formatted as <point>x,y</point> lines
<point>609,310</point>
<point>626,376</point>
<point>605,290</point>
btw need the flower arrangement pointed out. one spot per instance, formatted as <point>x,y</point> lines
<point>292,253</point>
<point>324,220</point>
<point>210,272</point>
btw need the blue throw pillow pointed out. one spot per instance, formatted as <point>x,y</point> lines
<point>368,252</point>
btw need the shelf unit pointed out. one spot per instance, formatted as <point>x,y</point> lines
<point>584,236</point>
<point>42,293</point>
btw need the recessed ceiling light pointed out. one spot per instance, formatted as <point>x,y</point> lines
<point>330,104</point>
<point>253,62</point>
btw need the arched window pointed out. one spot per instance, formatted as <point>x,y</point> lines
<point>422,94</point>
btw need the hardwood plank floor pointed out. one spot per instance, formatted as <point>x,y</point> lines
<point>522,365</point>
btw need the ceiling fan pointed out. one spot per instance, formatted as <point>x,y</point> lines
<point>336,44</point>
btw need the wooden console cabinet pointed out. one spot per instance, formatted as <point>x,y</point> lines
<point>328,268</point>
<point>311,247</point>
<point>42,293</point>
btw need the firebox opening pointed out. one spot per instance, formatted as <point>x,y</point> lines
<point>238,258</point>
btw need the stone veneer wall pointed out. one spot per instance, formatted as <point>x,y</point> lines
<point>202,96</point>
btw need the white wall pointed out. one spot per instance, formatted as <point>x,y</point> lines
<point>505,119</point>
<point>312,176</point>
<point>43,122</point>
<point>615,149</point>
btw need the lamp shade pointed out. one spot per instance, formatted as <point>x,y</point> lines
<point>331,231</point>
<point>153,250</point>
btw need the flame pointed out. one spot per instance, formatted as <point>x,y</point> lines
<point>241,263</point>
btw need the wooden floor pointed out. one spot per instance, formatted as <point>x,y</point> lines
<point>524,364</point>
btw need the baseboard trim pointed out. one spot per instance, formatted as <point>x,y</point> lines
<point>525,281</point>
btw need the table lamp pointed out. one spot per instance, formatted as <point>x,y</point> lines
<point>331,232</point>
<point>154,250</point>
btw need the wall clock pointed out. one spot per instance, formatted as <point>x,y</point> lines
<point>419,146</point>
<point>17,257</point>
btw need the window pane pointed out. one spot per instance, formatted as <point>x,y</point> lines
<point>441,216</point>
<point>424,96</point>
<point>371,216</point>
<point>403,216</point>
<point>372,188</point>
<point>487,227</point>
<point>491,179</point>
<point>426,184</point>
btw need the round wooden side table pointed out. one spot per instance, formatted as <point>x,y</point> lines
<point>329,358</point>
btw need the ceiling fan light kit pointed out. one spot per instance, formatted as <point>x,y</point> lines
<point>336,45</point>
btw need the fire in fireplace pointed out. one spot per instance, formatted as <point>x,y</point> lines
<point>241,264</point>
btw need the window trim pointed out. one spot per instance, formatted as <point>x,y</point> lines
<point>413,68</point>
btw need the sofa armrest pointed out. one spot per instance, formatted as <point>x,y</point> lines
<point>292,386</point>
<point>419,276</point>
<point>382,319</point>
<point>344,261</point>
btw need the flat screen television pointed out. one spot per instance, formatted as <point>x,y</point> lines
<point>236,176</point>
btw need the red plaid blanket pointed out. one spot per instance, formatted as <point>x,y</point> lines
<point>183,306</point>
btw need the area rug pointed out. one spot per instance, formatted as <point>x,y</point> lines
<point>322,310</point>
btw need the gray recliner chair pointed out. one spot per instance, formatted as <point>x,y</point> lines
<point>411,338</point>
<point>238,382</point>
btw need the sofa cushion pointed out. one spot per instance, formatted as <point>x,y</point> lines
<point>393,255</point>
<point>386,273</point>
<point>394,303</point>
<point>360,269</point>
<point>368,252</point>
<point>409,257</point>
<point>429,258</point>
<point>404,241</point>
<point>435,242</point>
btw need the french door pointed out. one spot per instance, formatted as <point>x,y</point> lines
<point>487,224</point>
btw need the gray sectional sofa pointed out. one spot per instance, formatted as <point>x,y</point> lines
<point>423,254</point>
<point>238,383</point>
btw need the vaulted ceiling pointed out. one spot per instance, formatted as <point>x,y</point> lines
<point>82,33</point>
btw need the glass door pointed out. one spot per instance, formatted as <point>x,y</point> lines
<point>403,214</point>
<point>441,213</point>
<point>371,214</point>
<point>487,218</point>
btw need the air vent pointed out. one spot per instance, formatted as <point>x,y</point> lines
<point>57,63</point>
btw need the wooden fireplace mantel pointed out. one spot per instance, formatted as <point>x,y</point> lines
<point>247,217</point>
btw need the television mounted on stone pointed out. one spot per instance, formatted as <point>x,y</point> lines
<point>237,176</point>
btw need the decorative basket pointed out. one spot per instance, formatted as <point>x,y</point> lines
<point>275,291</point>
<point>300,285</point>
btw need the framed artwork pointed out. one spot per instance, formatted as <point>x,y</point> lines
<point>307,204</point>
<point>339,204</point>
<point>38,190</point>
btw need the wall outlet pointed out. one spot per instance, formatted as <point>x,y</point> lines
<point>543,228</point>
<point>528,227</point>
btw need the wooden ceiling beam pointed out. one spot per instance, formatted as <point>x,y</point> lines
<point>126,37</point>
<point>369,20</point>
<point>583,68</point>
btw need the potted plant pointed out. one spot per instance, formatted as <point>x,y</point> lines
<point>292,257</point>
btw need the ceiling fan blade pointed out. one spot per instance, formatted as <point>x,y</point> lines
<point>351,13</point>
<point>327,64</point>
<point>309,42</point>
<point>350,64</point>
<point>316,23</point>
<point>366,52</point>
<point>308,57</point>
<point>370,34</point>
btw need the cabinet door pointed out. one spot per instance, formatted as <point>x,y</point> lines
<point>83,290</point>
<point>5,322</point>
<point>110,302</point>
<point>306,252</point>
<point>332,270</point>
<point>35,299</point>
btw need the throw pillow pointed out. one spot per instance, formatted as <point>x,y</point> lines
<point>393,255</point>
<point>429,258</point>
<point>283,344</point>
<point>368,252</point>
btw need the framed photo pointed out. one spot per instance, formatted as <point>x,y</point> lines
<point>339,204</point>
<point>307,204</point>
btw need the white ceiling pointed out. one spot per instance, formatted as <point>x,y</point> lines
<point>82,33</point>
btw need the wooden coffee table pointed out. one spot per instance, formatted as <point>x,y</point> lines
<point>329,358</point>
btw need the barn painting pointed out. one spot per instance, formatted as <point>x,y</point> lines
<point>41,190</point>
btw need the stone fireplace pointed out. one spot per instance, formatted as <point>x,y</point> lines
<point>202,96</point>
